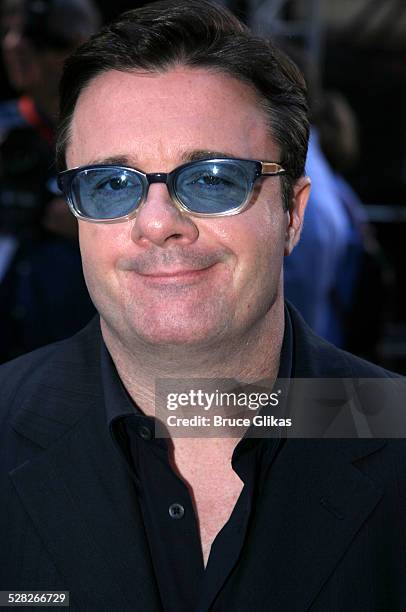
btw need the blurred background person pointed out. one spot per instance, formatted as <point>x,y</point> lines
<point>42,292</point>
<point>366,271</point>
<point>338,262</point>
<point>321,277</point>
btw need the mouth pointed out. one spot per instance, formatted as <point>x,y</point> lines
<point>183,275</point>
<point>176,269</point>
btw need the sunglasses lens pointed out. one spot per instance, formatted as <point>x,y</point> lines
<point>106,193</point>
<point>214,187</point>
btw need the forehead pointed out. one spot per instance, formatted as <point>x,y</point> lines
<point>151,117</point>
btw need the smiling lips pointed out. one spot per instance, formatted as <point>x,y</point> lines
<point>166,277</point>
<point>167,266</point>
<point>175,273</point>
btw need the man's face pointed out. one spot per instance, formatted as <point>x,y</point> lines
<point>166,277</point>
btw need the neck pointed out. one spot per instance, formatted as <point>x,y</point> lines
<point>252,356</point>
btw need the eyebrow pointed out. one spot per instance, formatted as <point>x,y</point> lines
<point>186,156</point>
<point>198,154</point>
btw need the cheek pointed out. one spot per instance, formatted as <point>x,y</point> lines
<point>257,239</point>
<point>99,247</point>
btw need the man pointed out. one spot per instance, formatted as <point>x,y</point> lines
<point>187,279</point>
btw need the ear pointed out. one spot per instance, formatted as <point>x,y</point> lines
<point>295,214</point>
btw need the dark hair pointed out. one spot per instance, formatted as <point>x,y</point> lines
<point>196,33</point>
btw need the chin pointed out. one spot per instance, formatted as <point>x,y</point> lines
<point>183,324</point>
<point>177,336</point>
<point>136,330</point>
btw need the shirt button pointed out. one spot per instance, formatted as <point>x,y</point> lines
<point>144,432</point>
<point>176,511</point>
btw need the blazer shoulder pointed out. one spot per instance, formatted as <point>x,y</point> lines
<point>21,376</point>
<point>22,372</point>
<point>318,358</point>
<point>365,369</point>
<point>361,368</point>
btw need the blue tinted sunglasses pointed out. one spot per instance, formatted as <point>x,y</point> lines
<point>205,188</point>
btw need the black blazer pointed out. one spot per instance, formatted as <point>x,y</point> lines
<point>329,528</point>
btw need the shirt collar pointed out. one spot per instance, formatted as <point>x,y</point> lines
<point>116,399</point>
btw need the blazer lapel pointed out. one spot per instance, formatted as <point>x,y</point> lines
<point>80,496</point>
<point>312,503</point>
<point>310,508</point>
<point>324,501</point>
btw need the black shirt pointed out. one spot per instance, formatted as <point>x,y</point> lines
<point>166,506</point>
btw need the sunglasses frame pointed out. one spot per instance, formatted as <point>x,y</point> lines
<point>66,178</point>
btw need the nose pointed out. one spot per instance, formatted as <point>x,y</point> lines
<point>159,222</point>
